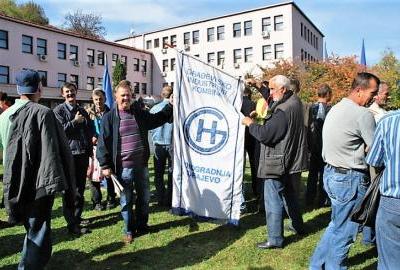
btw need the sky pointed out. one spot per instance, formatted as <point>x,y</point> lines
<point>344,23</point>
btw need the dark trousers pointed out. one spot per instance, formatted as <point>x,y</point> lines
<point>95,189</point>
<point>252,147</point>
<point>161,157</point>
<point>36,251</point>
<point>73,216</point>
<point>315,180</point>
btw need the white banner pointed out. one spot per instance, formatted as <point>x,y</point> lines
<point>208,142</point>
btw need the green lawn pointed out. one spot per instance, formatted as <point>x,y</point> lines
<point>176,242</point>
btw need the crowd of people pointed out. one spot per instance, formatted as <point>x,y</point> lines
<point>341,146</point>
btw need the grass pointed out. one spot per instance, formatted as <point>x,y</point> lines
<point>177,242</point>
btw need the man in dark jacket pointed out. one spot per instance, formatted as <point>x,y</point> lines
<point>123,150</point>
<point>37,165</point>
<point>79,130</point>
<point>282,154</point>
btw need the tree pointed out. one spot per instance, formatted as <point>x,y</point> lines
<point>89,24</point>
<point>388,70</point>
<point>119,73</point>
<point>29,11</point>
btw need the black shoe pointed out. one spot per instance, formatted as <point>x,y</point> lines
<point>77,230</point>
<point>111,205</point>
<point>143,230</point>
<point>98,207</point>
<point>267,245</point>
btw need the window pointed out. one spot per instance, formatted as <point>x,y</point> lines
<point>301,55</point>
<point>164,42</point>
<point>210,34</point>
<point>136,87</point>
<point>237,30</point>
<point>316,43</point>
<point>164,84</point>
<point>267,52</point>
<point>43,77</point>
<point>114,59</point>
<point>90,83</point>
<point>148,44</point>
<point>279,51</point>
<point>3,39</point>
<point>90,55</point>
<point>195,37</point>
<point>278,23</point>
<point>266,24</point>
<point>144,66</point>
<point>124,60</point>
<point>100,58</point>
<point>211,58</point>
<point>221,32</point>
<point>156,43</point>
<point>26,44</point>
<point>73,52</point>
<point>100,82</point>
<point>186,38</point>
<point>4,74</point>
<point>41,46</point>
<point>305,32</point>
<point>237,55</point>
<point>173,64</point>
<point>144,88</point>
<point>173,40</point>
<point>62,50</point>
<point>172,85</point>
<point>135,64</point>
<point>220,58</point>
<point>248,55</point>
<point>301,29</point>
<point>165,65</point>
<point>61,79</point>
<point>74,79</point>
<point>308,35</point>
<point>248,29</point>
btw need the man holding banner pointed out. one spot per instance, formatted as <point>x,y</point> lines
<point>123,150</point>
<point>282,141</point>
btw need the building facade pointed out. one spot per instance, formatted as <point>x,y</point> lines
<point>238,43</point>
<point>62,56</point>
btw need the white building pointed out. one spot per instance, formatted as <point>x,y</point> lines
<point>237,43</point>
<point>62,56</point>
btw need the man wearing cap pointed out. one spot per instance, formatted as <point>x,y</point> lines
<point>38,164</point>
<point>79,130</point>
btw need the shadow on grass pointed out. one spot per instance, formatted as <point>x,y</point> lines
<point>362,257</point>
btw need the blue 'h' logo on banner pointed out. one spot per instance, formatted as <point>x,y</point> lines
<point>204,140</point>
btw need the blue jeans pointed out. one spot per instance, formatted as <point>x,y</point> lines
<point>36,251</point>
<point>280,195</point>
<point>388,233</point>
<point>345,191</point>
<point>135,179</point>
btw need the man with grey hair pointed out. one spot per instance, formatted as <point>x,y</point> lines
<point>282,153</point>
<point>380,101</point>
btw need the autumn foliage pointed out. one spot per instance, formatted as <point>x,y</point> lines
<point>337,72</point>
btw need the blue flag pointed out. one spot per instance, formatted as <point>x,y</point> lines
<point>363,60</point>
<point>107,88</point>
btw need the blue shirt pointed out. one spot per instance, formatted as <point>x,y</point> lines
<point>163,134</point>
<point>385,151</point>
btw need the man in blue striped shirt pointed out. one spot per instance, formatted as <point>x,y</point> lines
<point>385,152</point>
